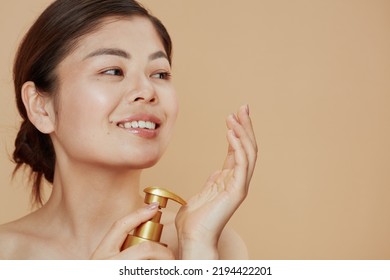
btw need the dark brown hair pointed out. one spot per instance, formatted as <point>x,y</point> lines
<point>46,44</point>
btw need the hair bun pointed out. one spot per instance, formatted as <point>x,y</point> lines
<point>35,150</point>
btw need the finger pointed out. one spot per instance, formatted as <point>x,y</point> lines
<point>231,122</point>
<point>112,242</point>
<point>241,163</point>
<point>146,251</point>
<point>246,141</point>
<point>229,160</point>
<point>245,120</point>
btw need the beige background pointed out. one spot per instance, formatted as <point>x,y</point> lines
<point>317,77</point>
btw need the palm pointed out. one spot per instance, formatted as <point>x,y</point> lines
<point>206,214</point>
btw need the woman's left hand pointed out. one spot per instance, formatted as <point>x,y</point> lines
<point>201,221</point>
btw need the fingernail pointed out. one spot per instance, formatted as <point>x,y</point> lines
<point>153,206</point>
<point>247,108</point>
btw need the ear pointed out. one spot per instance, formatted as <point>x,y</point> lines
<point>40,110</point>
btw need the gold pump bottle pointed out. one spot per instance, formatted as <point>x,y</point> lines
<point>151,230</point>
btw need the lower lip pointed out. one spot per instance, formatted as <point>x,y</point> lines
<point>142,132</point>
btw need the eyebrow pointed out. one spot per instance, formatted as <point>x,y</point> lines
<point>109,51</point>
<point>124,54</point>
<point>157,55</point>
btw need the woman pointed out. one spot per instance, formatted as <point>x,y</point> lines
<point>92,83</point>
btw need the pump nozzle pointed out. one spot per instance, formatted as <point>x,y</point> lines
<point>152,229</point>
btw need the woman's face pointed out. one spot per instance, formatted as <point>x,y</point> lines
<point>115,103</point>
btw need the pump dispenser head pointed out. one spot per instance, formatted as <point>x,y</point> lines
<point>152,229</point>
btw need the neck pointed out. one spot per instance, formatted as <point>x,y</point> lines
<point>83,208</point>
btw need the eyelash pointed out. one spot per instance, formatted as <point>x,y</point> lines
<point>163,75</point>
<point>118,72</point>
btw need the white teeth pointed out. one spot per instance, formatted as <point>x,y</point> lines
<point>150,125</point>
<point>139,124</point>
<point>134,124</point>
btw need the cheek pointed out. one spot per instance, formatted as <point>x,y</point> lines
<point>172,103</point>
<point>80,108</point>
<point>173,110</point>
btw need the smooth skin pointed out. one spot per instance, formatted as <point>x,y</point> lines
<point>115,74</point>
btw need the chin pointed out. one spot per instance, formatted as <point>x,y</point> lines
<point>146,165</point>
<point>145,162</point>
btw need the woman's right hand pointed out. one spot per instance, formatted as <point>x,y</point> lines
<point>110,246</point>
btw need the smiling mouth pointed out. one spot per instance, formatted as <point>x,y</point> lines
<point>139,124</point>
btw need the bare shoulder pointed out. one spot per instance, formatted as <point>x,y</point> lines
<point>17,238</point>
<point>11,240</point>
<point>231,246</point>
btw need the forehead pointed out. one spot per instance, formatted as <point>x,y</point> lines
<point>131,34</point>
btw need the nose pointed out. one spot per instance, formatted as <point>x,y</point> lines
<point>142,90</point>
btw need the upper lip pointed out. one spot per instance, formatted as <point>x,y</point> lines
<point>141,117</point>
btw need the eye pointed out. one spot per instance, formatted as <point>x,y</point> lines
<point>113,72</point>
<point>162,75</point>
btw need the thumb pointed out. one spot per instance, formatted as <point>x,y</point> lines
<point>113,240</point>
